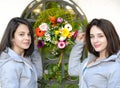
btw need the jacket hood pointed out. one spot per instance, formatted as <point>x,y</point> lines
<point>8,55</point>
<point>114,57</point>
<point>118,56</point>
<point>4,58</point>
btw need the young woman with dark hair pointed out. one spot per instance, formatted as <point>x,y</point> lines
<point>101,69</point>
<point>20,61</point>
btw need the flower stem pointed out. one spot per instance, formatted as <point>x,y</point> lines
<point>60,59</point>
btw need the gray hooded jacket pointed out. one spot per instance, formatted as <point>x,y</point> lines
<point>19,72</point>
<point>104,73</point>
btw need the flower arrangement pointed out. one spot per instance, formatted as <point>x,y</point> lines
<point>56,31</point>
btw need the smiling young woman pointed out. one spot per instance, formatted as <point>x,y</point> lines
<point>20,61</point>
<point>101,69</point>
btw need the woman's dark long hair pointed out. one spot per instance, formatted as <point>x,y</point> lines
<point>9,35</point>
<point>113,41</point>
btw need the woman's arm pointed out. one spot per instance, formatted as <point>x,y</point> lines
<point>37,61</point>
<point>74,59</point>
<point>75,55</point>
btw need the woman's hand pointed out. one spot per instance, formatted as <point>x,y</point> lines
<point>35,40</point>
<point>80,37</point>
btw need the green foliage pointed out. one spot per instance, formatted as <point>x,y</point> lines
<point>57,12</point>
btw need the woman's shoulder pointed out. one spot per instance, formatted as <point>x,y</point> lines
<point>4,58</point>
<point>118,54</point>
<point>7,62</point>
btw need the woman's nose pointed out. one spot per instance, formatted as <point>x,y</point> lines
<point>27,37</point>
<point>95,39</point>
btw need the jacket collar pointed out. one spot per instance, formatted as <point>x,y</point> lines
<point>114,57</point>
<point>9,54</point>
<point>14,55</point>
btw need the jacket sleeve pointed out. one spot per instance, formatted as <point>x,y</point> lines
<point>37,61</point>
<point>9,76</point>
<point>114,76</point>
<point>74,59</point>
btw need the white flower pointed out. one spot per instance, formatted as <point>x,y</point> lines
<point>46,71</point>
<point>44,27</point>
<point>47,34</point>
<point>39,38</point>
<point>47,38</point>
<point>62,38</point>
<point>68,26</point>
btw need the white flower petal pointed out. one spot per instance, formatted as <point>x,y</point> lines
<point>68,26</point>
<point>44,27</point>
<point>62,38</point>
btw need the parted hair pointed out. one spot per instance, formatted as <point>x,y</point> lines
<point>113,45</point>
<point>9,34</point>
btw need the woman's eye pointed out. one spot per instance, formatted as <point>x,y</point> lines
<point>91,36</point>
<point>21,34</point>
<point>101,36</point>
<point>29,34</point>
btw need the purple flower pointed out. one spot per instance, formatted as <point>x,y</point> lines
<point>40,44</point>
<point>59,20</point>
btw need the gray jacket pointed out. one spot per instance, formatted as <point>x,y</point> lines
<point>104,73</point>
<point>19,72</point>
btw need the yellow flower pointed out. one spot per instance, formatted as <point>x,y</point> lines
<point>57,32</point>
<point>65,32</point>
<point>70,35</point>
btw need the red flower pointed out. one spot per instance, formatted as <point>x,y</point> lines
<point>53,20</point>
<point>75,34</point>
<point>39,32</point>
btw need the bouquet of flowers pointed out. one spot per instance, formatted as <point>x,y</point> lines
<point>55,32</point>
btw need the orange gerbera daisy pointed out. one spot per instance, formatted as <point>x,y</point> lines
<point>39,32</point>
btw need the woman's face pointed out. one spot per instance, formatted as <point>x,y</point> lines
<point>98,39</point>
<point>22,38</point>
